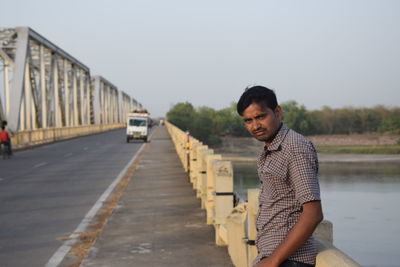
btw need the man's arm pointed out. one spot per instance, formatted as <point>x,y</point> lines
<point>310,217</point>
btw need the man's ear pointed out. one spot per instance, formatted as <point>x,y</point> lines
<point>278,112</point>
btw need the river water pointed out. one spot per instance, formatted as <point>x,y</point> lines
<point>361,199</point>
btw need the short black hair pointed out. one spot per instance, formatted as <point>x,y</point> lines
<point>257,94</point>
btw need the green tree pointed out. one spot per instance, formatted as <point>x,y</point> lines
<point>182,115</point>
<point>328,119</point>
<point>370,119</point>
<point>347,121</point>
<point>204,126</point>
<point>318,125</point>
<point>391,122</point>
<point>297,117</point>
<point>228,122</point>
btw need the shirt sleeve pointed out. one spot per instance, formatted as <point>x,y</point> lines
<point>303,170</point>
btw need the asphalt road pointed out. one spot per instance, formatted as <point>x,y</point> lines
<point>46,192</point>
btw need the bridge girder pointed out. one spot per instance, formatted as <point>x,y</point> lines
<point>44,86</point>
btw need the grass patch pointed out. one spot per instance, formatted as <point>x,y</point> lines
<point>389,149</point>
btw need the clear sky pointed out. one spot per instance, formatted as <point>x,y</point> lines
<point>320,52</point>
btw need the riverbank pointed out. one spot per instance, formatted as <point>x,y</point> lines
<point>357,144</point>
<point>371,139</point>
<point>376,150</point>
<point>369,144</point>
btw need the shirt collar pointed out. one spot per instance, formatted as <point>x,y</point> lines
<point>278,139</point>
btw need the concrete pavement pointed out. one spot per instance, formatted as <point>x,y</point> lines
<point>158,220</point>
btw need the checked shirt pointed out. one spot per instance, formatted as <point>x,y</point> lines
<point>288,170</point>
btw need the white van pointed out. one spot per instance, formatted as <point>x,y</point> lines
<point>137,126</point>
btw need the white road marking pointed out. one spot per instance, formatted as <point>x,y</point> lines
<point>40,164</point>
<point>67,155</point>
<point>85,148</point>
<point>59,255</point>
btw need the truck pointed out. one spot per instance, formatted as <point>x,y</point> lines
<point>137,126</point>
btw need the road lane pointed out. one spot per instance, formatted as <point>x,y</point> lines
<point>46,192</point>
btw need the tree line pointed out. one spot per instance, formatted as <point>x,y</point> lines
<point>208,124</point>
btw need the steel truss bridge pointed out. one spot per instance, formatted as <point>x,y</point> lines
<point>45,87</point>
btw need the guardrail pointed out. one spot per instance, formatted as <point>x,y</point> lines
<point>212,178</point>
<point>26,139</point>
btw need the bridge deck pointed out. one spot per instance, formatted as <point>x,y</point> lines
<point>158,221</point>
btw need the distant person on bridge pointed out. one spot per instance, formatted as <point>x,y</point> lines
<point>289,202</point>
<point>5,140</point>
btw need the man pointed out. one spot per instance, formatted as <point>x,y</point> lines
<point>5,139</point>
<point>289,202</point>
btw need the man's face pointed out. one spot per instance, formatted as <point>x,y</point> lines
<point>261,121</point>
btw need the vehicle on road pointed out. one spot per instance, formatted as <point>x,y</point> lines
<point>137,126</point>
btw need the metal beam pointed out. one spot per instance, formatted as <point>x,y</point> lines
<point>39,38</point>
<point>43,88</point>
<point>17,84</point>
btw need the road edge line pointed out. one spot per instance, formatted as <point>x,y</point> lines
<point>63,250</point>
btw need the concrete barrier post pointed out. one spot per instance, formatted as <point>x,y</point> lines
<point>202,151</point>
<point>193,159</point>
<point>187,152</point>
<point>192,156</point>
<point>236,233</point>
<point>182,148</point>
<point>252,210</point>
<point>330,256</point>
<point>324,231</point>
<point>194,170</point>
<point>210,186</point>
<point>223,190</point>
<point>223,200</point>
<point>203,177</point>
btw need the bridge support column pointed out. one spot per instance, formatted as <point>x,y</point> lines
<point>88,100</point>
<point>27,98</point>
<point>66,94</point>
<point>82,99</point>
<point>43,87</point>
<point>75,96</point>
<point>6,88</point>
<point>57,109</point>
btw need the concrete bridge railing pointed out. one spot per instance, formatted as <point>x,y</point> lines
<point>23,139</point>
<point>212,178</point>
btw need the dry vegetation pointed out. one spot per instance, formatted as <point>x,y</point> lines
<point>373,139</point>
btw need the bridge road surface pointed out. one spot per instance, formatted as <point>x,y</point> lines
<point>46,192</point>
